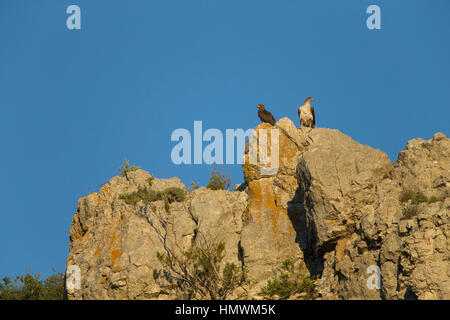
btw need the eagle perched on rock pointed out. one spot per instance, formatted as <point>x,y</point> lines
<point>265,115</point>
<point>306,114</point>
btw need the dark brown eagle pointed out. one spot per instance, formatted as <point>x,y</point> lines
<point>265,115</point>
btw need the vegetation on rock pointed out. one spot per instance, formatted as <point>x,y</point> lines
<point>413,198</point>
<point>336,198</point>
<point>194,186</point>
<point>173,194</point>
<point>416,197</point>
<point>197,273</point>
<point>30,287</point>
<point>168,195</point>
<point>218,181</point>
<point>410,211</point>
<point>290,282</point>
<point>126,168</point>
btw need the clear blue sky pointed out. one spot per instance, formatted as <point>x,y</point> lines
<point>75,103</point>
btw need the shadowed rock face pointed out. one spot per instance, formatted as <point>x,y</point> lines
<point>334,204</point>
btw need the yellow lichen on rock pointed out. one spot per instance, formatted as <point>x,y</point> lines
<point>287,150</point>
<point>115,254</point>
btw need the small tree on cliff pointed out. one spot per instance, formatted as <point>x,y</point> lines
<point>126,168</point>
<point>218,181</point>
<point>292,281</point>
<point>198,273</point>
<point>30,287</point>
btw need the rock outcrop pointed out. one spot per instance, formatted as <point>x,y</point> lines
<point>340,207</point>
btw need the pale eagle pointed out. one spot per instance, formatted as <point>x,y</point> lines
<point>306,114</point>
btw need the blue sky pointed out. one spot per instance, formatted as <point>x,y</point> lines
<point>74,103</point>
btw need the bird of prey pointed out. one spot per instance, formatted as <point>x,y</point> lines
<point>265,115</point>
<point>306,114</point>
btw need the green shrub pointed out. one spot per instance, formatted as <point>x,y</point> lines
<point>291,281</point>
<point>150,180</point>
<point>126,168</point>
<point>131,198</point>
<point>168,195</point>
<point>174,194</point>
<point>406,195</point>
<point>30,287</point>
<point>419,197</point>
<point>433,199</point>
<point>53,287</point>
<point>218,181</point>
<point>142,194</point>
<point>410,211</point>
<point>197,274</point>
<point>416,197</point>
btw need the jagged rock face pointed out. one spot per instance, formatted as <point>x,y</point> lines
<point>355,220</point>
<point>333,175</point>
<point>270,224</point>
<point>333,203</point>
<point>425,163</point>
<point>424,248</point>
<point>115,246</point>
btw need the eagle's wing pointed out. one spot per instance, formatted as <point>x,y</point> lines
<point>271,117</point>
<point>314,116</point>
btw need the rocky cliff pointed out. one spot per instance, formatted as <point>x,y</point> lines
<point>341,208</point>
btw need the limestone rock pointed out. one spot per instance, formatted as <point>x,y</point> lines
<point>332,203</point>
<point>271,224</point>
<point>355,219</point>
<point>115,247</point>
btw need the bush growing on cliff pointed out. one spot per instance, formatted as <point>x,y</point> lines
<point>416,197</point>
<point>142,194</point>
<point>419,197</point>
<point>126,168</point>
<point>194,186</point>
<point>169,195</point>
<point>174,194</point>
<point>197,274</point>
<point>433,199</point>
<point>290,282</point>
<point>406,195</point>
<point>30,287</point>
<point>410,211</point>
<point>413,198</point>
<point>150,180</point>
<point>218,181</point>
